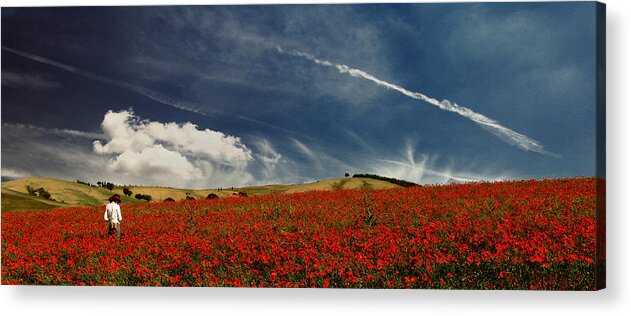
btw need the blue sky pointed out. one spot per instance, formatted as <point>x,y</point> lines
<point>208,96</point>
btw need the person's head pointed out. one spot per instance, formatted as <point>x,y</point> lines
<point>115,198</point>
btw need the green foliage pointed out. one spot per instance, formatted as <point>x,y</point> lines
<point>40,192</point>
<point>86,183</point>
<point>127,191</point>
<point>145,197</point>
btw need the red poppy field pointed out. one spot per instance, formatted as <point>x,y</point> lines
<point>505,235</point>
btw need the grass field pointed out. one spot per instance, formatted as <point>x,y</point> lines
<point>12,200</point>
<point>323,185</point>
<point>65,193</point>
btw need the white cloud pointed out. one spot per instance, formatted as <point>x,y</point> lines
<point>215,145</point>
<point>305,150</point>
<point>506,134</point>
<point>425,169</point>
<point>320,162</point>
<point>268,157</point>
<point>133,151</point>
<point>172,154</point>
<point>155,162</point>
<point>122,134</point>
<point>12,173</point>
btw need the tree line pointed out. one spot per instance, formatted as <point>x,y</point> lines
<point>402,183</point>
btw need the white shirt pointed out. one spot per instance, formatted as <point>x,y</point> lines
<point>113,213</point>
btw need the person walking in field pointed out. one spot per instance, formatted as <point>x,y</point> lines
<point>113,216</point>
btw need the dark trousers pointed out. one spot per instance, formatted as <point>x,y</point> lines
<point>114,229</point>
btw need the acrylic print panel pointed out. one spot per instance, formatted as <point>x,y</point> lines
<point>419,146</point>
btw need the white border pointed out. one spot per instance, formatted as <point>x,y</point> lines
<point>39,300</point>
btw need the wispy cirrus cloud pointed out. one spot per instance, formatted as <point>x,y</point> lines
<point>51,152</point>
<point>28,80</point>
<point>151,94</point>
<point>514,138</point>
<point>428,169</point>
<point>53,131</point>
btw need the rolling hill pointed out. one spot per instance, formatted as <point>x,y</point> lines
<point>67,194</point>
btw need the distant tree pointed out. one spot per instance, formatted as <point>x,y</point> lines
<point>109,186</point>
<point>45,194</point>
<point>41,192</point>
<point>99,183</point>
<point>84,183</point>
<point>145,197</point>
<point>346,175</point>
<point>212,196</point>
<point>127,191</point>
<point>169,200</point>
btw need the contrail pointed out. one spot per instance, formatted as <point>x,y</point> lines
<point>504,133</point>
<point>153,95</point>
<point>55,131</point>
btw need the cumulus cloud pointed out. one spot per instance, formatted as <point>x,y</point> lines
<point>268,156</point>
<point>154,160</point>
<point>171,153</point>
<point>212,144</point>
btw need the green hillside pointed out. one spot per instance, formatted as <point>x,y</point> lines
<point>67,194</point>
<point>12,200</point>
<point>61,191</point>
